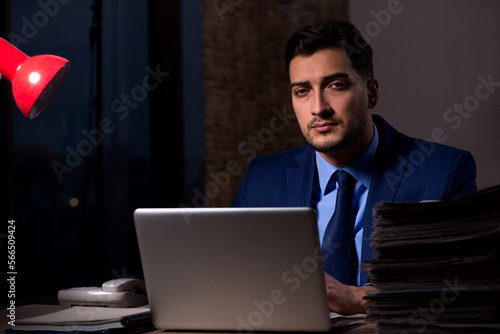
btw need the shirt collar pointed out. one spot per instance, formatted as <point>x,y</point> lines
<point>360,167</point>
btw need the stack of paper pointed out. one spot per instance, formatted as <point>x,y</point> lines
<point>437,265</point>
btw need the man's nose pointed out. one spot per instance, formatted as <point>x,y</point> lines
<point>320,106</point>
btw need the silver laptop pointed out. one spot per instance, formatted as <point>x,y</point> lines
<point>233,269</point>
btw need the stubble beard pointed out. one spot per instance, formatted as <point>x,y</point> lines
<point>349,136</point>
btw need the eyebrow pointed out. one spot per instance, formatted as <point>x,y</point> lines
<point>325,78</point>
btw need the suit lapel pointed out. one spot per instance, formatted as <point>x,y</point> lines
<point>387,175</point>
<point>390,164</point>
<point>300,179</point>
<point>383,188</point>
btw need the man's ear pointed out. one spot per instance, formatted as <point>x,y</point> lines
<point>372,91</point>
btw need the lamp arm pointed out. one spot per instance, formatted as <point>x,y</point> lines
<point>10,57</point>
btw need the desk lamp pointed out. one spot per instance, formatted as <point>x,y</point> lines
<point>35,80</point>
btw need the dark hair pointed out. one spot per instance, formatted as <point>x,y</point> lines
<point>330,34</point>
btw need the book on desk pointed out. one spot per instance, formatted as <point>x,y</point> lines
<point>87,319</point>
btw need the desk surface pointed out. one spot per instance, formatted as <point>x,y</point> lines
<point>35,310</point>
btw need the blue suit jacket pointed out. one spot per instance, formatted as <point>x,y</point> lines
<point>405,170</point>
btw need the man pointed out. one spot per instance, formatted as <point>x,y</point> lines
<point>333,93</point>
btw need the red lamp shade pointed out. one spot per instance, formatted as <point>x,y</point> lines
<point>35,80</point>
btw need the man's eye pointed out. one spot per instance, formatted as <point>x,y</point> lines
<point>338,85</point>
<point>300,92</point>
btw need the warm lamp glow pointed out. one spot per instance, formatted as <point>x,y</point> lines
<point>35,80</point>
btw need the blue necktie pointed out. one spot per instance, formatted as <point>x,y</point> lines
<point>338,248</point>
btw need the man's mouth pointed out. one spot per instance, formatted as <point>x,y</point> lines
<point>323,126</point>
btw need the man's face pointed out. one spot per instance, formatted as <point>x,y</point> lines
<point>331,101</point>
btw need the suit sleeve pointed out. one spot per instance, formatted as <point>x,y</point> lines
<point>239,200</point>
<point>463,175</point>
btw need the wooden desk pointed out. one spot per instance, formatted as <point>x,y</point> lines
<point>35,310</point>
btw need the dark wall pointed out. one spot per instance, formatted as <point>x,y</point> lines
<point>432,60</point>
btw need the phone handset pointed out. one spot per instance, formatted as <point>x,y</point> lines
<point>125,284</point>
<point>122,292</point>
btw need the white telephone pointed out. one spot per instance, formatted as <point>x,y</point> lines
<point>122,292</point>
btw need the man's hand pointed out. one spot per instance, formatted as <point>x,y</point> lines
<point>346,299</point>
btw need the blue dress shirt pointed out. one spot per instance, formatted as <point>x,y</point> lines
<point>361,169</point>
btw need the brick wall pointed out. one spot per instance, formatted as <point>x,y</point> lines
<point>246,89</point>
